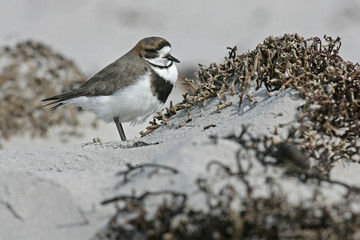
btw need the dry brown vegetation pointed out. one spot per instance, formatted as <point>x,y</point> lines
<point>30,72</point>
<point>330,121</point>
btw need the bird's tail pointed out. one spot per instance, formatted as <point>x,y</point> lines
<point>58,100</point>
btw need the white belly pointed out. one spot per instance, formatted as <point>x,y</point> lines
<point>132,104</point>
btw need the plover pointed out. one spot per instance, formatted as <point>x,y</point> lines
<point>130,89</point>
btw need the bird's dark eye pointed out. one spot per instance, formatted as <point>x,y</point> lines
<point>150,50</point>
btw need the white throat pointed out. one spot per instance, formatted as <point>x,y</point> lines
<point>169,74</point>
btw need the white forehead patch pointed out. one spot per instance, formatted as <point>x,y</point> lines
<point>164,51</point>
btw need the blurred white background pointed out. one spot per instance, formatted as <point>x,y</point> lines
<point>94,33</point>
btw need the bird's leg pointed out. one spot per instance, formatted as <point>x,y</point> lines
<point>120,128</point>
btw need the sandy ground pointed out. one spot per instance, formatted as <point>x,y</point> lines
<point>52,190</point>
<point>55,192</point>
<point>61,187</point>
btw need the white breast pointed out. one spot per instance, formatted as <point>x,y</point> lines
<point>169,74</point>
<point>132,104</point>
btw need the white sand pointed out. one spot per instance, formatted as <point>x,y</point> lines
<point>55,193</point>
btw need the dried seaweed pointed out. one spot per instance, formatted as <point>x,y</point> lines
<point>131,169</point>
<point>27,75</point>
<point>257,217</point>
<point>330,120</point>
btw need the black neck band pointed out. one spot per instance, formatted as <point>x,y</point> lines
<point>161,67</point>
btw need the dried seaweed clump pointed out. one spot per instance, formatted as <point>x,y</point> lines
<point>330,121</point>
<point>240,215</point>
<point>29,72</point>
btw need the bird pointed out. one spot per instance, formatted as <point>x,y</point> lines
<point>130,89</point>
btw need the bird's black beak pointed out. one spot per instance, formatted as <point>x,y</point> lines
<point>171,58</point>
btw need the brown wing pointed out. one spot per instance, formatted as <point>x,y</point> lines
<point>112,78</point>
